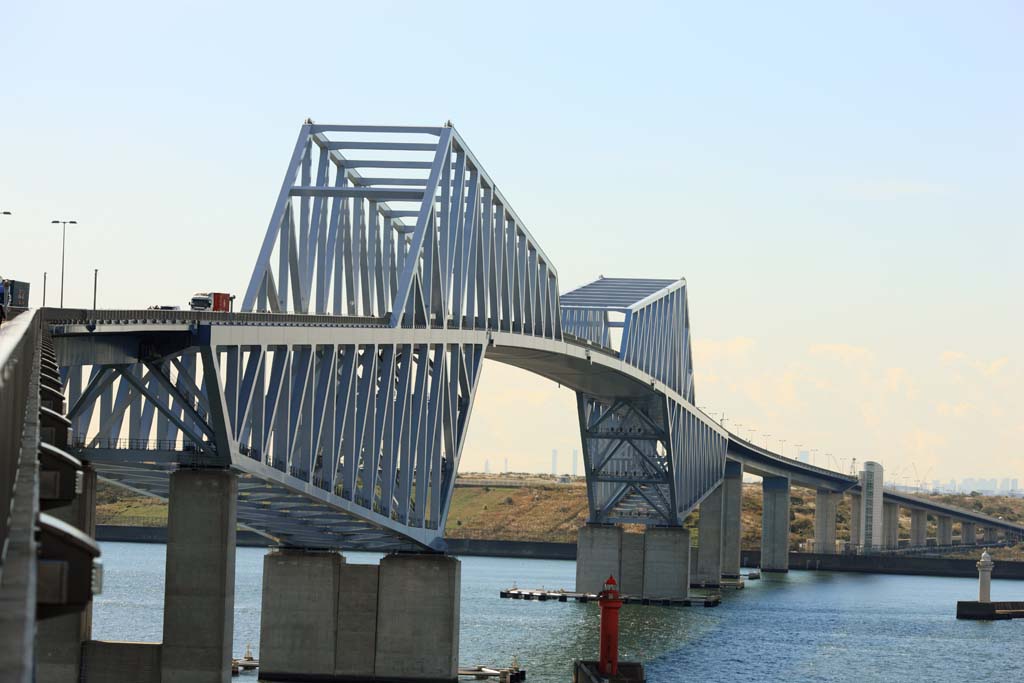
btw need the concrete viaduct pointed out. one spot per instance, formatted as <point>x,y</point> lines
<point>329,414</point>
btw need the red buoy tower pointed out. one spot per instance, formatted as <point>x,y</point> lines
<point>610,601</point>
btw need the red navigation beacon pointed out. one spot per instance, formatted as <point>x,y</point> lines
<point>610,601</point>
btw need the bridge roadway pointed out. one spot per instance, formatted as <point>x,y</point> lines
<point>297,513</point>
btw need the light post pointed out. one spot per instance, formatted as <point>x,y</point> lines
<point>95,278</point>
<point>797,447</point>
<point>782,449</point>
<point>5,213</point>
<point>766,437</point>
<point>44,289</point>
<point>63,236</point>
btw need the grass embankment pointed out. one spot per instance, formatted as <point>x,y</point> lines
<point>538,508</point>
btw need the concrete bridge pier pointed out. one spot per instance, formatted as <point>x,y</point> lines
<point>826,505</point>
<point>59,639</point>
<point>918,528</point>
<point>732,519</point>
<point>991,534</point>
<point>968,533</point>
<point>654,565</point>
<point>199,588</point>
<point>775,524</point>
<point>598,556</point>
<point>890,525</point>
<point>855,530</point>
<point>944,530</point>
<point>325,619</point>
<point>709,540</point>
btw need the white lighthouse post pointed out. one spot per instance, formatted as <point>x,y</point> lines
<point>985,577</point>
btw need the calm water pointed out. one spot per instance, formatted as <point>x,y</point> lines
<point>804,626</point>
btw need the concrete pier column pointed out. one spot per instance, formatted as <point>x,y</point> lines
<point>944,530</point>
<point>968,533</point>
<point>918,528</point>
<point>666,563</point>
<point>775,524</point>
<point>59,639</point>
<point>890,525</point>
<point>855,521</point>
<point>631,564</point>
<point>732,519</point>
<point>299,613</point>
<point>826,504</point>
<point>991,534</point>
<point>418,618</point>
<point>199,591</point>
<point>598,556</point>
<point>709,541</point>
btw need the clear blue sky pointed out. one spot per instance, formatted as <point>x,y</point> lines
<point>839,185</point>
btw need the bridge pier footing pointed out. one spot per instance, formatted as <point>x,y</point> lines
<point>775,524</point>
<point>199,582</point>
<point>654,565</point>
<point>709,539</point>
<point>59,639</point>
<point>325,618</point>
<point>732,519</point>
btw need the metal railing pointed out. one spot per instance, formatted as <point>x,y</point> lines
<point>134,444</point>
<point>18,344</point>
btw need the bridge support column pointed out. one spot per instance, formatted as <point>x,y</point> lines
<point>855,530</point>
<point>890,525</point>
<point>598,556</point>
<point>775,525</point>
<point>991,534</point>
<point>709,541</point>
<point>631,564</point>
<point>826,505</point>
<point>326,619</point>
<point>944,531</point>
<point>732,520</point>
<point>666,563</point>
<point>199,591</point>
<point>968,533</point>
<point>418,618</point>
<point>299,612</point>
<point>918,528</point>
<point>59,639</point>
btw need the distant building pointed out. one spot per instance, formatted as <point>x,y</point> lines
<point>804,456</point>
<point>487,466</point>
<point>554,461</point>
<point>1013,485</point>
<point>506,465</point>
<point>871,482</point>
<point>576,458</point>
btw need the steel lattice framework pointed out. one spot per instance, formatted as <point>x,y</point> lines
<point>343,389</point>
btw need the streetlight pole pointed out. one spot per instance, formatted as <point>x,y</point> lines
<point>44,289</point>
<point>63,241</point>
<point>782,449</point>
<point>95,277</point>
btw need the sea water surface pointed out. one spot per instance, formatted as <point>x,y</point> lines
<point>801,626</point>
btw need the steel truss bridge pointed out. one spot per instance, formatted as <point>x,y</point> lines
<point>341,392</point>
